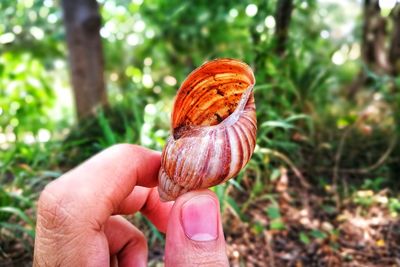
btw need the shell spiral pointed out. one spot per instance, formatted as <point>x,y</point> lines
<point>213,128</point>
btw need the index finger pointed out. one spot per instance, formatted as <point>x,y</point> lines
<point>95,189</point>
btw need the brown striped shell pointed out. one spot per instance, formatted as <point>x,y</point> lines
<point>213,128</point>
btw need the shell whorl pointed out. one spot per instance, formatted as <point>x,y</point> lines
<point>213,128</point>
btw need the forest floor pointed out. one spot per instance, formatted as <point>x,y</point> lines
<point>296,227</point>
<point>313,231</point>
<point>308,229</point>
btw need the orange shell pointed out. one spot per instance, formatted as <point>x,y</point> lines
<point>213,128</point>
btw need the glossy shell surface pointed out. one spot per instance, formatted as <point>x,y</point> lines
<point>213,128</point>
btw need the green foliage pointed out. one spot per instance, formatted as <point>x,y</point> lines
<point>374,184</point>
<point>26,96</point>
<point>13,207</point>
<point>274,215</point>
<point>318,234</point>
<point>32,24</point>
<point>304,238</point>
<point>394,206</point>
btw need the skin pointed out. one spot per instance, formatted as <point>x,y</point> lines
<point>79,220</point>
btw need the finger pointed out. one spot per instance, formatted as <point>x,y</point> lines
<point>126,242</point>
<point>147,201</point>
<point>95,189</point>
<point>194,234</point>
<point>134,201</point>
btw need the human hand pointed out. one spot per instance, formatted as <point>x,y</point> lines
<point>78,225</point>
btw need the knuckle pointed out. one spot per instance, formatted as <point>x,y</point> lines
<point>138,238</point>
<point>54,229</point>
<point>139,241</point>
<point>151,204</point>
<point>210,259</point>
<point>52,209</point>
<point>204,257</point>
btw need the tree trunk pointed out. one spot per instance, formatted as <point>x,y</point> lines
<point>373,49</point>
<point>83,21</point>
<point>394,53</point>
<point>373,43</point>
<point>283,15</point>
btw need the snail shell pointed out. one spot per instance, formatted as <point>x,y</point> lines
<point>213,128</point>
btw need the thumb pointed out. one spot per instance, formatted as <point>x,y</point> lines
<point>194,233</point>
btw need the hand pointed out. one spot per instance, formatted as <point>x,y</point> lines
<point>78,225</point>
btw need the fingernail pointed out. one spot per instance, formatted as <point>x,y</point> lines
<point>200,218</point>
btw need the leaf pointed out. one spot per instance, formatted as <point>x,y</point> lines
<point>329,209</point>
<point>262,87</point>
<point>220,192</point>
<point>275,174</point>
<point>105,126</point>
<point>236,185</point>
<point>17,228</point>
<point>277,124</point>
<point>298,117</point>
<point>304,238</point>
<point>273,212</point>
<point>18,213</point>
<point>277,224</point>
<point>257,228</point>
<point>155,234</point>
<point>318,234</point>
<point>232,203</point>
<point>51,174</point>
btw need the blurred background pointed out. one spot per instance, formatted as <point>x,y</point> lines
<point>322,188</point>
